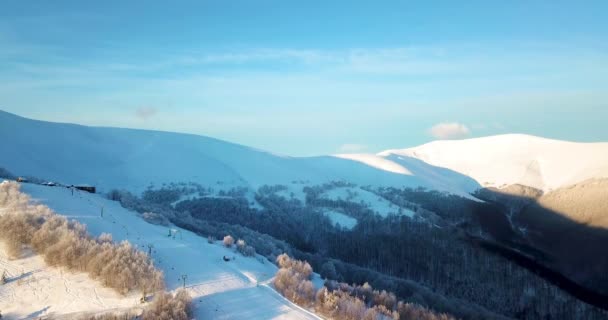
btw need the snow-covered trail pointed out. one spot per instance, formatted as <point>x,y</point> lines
<point>220,290</point>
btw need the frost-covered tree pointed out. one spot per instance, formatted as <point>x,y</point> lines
<point>240,245</point>
<point>170,307</point>
<point>244,249</point>
<point>228,241</point>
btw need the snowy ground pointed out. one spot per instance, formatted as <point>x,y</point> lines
<point>340,218</point>
<point>221,290</point>
<point>294,191</point>
<point>503,160</point>
<point>34,290</point>
<point>376,203</point>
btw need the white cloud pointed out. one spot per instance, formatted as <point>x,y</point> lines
<point>449,130</point>
<point>351,148</point>
<point>145,113</point>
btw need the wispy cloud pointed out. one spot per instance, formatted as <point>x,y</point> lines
<point>339,91</point>
<point>306,56</point>
<point>390,61</point>
<point>449,130</point>
<point>464,61</point>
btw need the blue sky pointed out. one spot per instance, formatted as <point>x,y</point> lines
<point>312,77</point>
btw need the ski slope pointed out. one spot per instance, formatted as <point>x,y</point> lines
<point>503,160</point>
<point>238,289</point>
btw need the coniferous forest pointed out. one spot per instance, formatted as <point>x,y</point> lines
<point>433,259</point>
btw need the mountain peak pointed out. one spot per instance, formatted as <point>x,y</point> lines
<point>508,159</point>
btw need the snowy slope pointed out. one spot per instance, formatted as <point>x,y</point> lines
<point>376,203</point>
<point>35,290</point>
<point>339,218</point>
<point>221,290</point>
<point>515,159</point>
<point>133,159</point>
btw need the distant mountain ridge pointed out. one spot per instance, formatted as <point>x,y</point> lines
<point>134,159</point>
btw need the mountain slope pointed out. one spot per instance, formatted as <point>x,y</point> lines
<point>133,159</point>
<point>503,160</point>
<point>213,283</point>
<point>571,224</point>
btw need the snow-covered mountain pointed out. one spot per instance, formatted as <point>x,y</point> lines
<point>133,159</point>
<point>509,159</point>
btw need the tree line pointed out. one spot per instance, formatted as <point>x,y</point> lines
<point>341,301</point>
